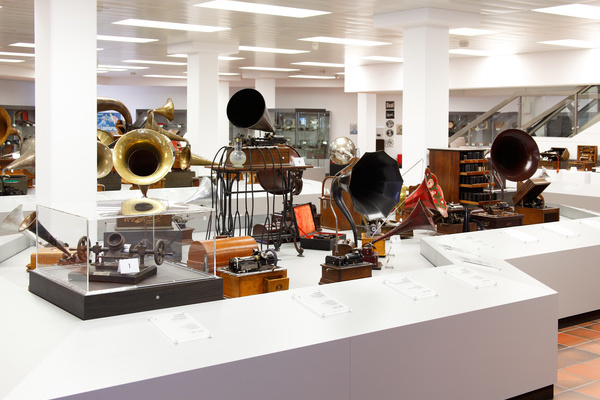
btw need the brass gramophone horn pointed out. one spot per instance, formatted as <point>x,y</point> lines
<point>247,109</point>
<point>187,158</point>
<point>515,155</point>
<point>27,158</point>
<point>104,160</point>
<point>108,104</point>
<point>167,111</point>
<point>143,157</point>
<point>153,125</point>
<point>31,224</point>
<point>6,128</point>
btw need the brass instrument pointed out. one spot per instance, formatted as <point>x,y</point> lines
<point>104,136</point>
<point>104,160</point>
<point>6,128</point>
<point>108,104</point>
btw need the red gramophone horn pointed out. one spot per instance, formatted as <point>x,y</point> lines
<point>430,194</point>
<point>419,218</point>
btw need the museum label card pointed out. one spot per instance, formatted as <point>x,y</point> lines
<point>320,302</point>
<point>520,236</point>
<point>471,277</point>
<point>561,230</point>
<point>179,327</point>
<point>410,288</point>
<point>129,266</point>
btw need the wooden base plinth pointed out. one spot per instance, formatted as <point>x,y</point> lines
<point>250,283</point>
<point>538,215</point>
<point>332,273</point>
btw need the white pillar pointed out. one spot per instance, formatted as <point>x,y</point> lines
<point>266,87</point>
<point>367,132</point>
<point>203,108</point>
<point>223,120</point>
<point>426,93</point>
<point>65,104</point>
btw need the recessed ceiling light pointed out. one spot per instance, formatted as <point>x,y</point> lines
<point>170,25</point>
<point>470,52</point>
<point>154,62</point>
<point>384,58</point>
<point>311,76</point>
<point>8,53</point>
<point>221,58</point>
<point>271,50</point>
<point>256,8</point>
<point>228,73</point>
<point>121,66</point>
<point>271,69</point>
<point>471,32</point>
<point>573,10</point>
<point>125,39</point>
<point>586,44</point>
<point>100,69</point>
<point>21,44</point>
<point>165,76</point>
<point>352,42</point>
<point>319,64</point>
<point>8,60</point>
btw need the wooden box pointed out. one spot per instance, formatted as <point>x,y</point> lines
<point>266,156</point>
<point>250,283</point>
<point>379,246</point>
<point>333,273</point>
<point>226,248</point>
<point>493,221</point>
<point>310,238</point>
<point>524,199</point>
<point>538,215</point>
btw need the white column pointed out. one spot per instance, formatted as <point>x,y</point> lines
<point>65,102</point>
<point>203,108</point>
<point>266,87</point>
<point>223,120</point>
<point>367,133</point>
<point>426,93</point>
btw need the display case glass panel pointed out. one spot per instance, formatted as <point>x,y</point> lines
<point>114,264</point>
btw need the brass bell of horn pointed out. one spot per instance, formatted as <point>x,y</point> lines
<point>515,155</point>
<point>31,224</point>
<point>187,158</point>
<point>104,162</point>
<point>247,109</point>
<point>167,111</point>
<point>143,157</point>
<point>6,128</point>
<point>27,158</point>
<point>108,104</point>
<point>153,125</point>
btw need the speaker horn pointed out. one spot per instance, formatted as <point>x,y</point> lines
<point>6,128</point>
<point>429,193</point>
<point>104,160</point>
<point>247,109</point>
<point>143,157</point>
<point>515,155</point>
<point>419,218</point>
<point>31,224</point>
<point>11,223</point>
<point>374,185</point>
<point>27,158</point>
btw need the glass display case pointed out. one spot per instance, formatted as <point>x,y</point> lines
<point>307,130</point>
<point>113,264</point>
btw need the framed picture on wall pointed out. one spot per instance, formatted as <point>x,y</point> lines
<point>354,129</point>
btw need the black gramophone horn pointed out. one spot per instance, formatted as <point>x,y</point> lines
<point>374,185</point>
<point>247,109</point>
<point>515,155</point>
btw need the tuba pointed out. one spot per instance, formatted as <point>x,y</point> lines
<point>374,185</point>
<point>515,155</point>
<point>143,157</point>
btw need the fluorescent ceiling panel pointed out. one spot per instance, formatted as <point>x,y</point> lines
<point>121,66</point>
<point>257,8</point>
<point>145,23</point>
<point>469,52</point>
<point>319,64</point>
<point>8,53</point>
<point>228,73</point>
<point>165,76</point>
<point>352,42</point>
<point>154,62</point>
<point>271,69</point>
<point>572,43</point>
<point>471,32</point>
<point>384,58</point>
<point>573,10</point>
<point>221,58</point>
<point>125,39</point>
<point>8,60</point>
<point>311,76</point>
<point>21,44</point>
<point>271,50</point>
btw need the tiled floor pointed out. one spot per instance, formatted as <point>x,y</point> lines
<point>578,362</point>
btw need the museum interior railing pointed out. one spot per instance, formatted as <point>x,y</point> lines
<point>541,113</point>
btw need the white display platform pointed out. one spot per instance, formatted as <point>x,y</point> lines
<point>471,343</point>
<point>561,255</point>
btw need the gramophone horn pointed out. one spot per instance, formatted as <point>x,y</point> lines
<point>374,185</point>
<point>167,111</point>
<point>11,223</point>
<point>430,193</point>
<point>143,157</point>
<point>104,136</point>
<point>247,109</point>
<point>515,155</point>
<point>419,218</point>
<point>153,125</point>
<point>31,224</point>
<point>187,158</point>
<point>27,158</point>
<point>6,128</point>
<point>108,104</point>
<point>104,160</point>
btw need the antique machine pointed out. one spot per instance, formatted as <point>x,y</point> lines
<point>258,261</point>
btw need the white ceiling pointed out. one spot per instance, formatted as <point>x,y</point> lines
<point>520,30</point>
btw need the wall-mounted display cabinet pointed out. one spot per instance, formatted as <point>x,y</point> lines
<point>307,130</point>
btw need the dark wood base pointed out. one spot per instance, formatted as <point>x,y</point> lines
<point>332,273</point>
<point>578,319</point>
<point>538,215</point>
<point>251,283</point>
<point>171,286</point>
<point>98,274</point>
<point>493,221</point>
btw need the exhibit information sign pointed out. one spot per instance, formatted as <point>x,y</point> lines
<point>320,302</point>
<point>410,288</point>
<point>179,327</point>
